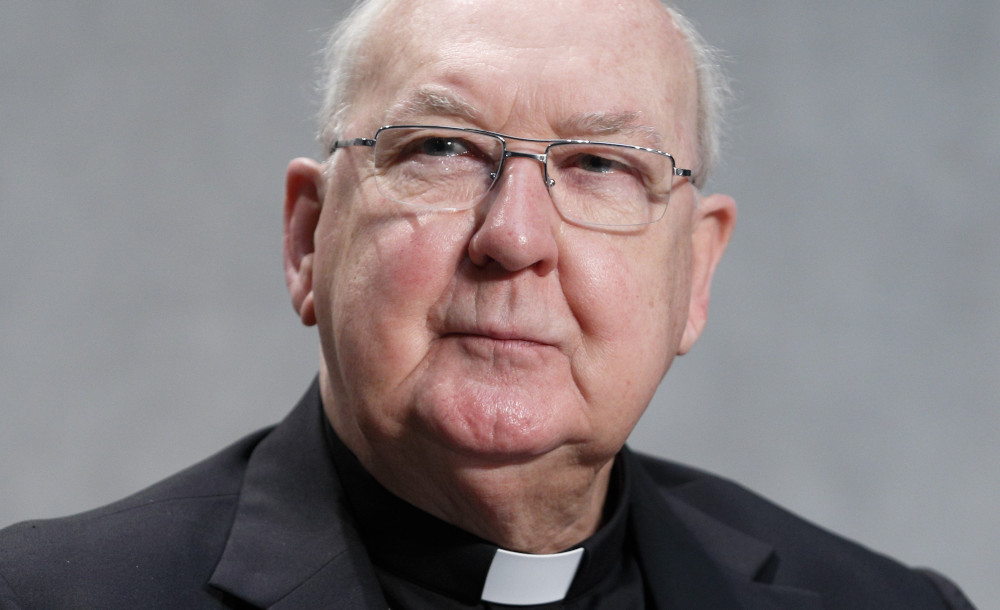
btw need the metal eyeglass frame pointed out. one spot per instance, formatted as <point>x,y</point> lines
<point>541,158</point>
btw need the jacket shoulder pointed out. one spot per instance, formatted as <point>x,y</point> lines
<point>805,554</point>
<point>171,531</point>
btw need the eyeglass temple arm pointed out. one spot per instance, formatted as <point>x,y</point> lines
<point>355,142</point>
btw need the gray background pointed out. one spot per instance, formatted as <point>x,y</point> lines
<point>849,369</point>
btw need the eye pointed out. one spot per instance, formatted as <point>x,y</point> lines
<point>598,164</point>
<point>444,147</point>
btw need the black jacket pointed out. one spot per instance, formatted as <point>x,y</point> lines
<point>264,523</point>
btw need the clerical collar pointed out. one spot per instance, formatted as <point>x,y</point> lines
<point>519,579</point>
<point>414,546</point>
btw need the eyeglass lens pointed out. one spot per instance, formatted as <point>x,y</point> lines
<point>591,183</point>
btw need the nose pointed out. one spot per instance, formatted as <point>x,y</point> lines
<point>518,230</point>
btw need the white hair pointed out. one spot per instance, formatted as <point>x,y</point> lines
<point>714,93</point>
<point>347,47</point>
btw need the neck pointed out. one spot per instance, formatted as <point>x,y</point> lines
<point>545,505</point>
<point>542,505</point>
<point>535,507</point>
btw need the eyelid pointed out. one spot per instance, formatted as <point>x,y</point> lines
<point>621,156</point>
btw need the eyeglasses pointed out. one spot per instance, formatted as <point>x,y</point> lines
<point>597,184</point>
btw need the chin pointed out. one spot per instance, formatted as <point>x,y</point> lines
<point>498,423</point>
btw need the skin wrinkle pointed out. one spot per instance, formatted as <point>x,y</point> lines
<point>362,234</point>
<point>508,441</point>
<point>347,76</point>
<point>436,102</point>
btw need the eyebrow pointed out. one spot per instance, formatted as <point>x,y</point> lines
<point>438,102</point>
<point>611,123</point>
<point>432,101</point>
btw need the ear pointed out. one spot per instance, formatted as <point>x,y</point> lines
<point>712,225</point>
<point>304,189</point>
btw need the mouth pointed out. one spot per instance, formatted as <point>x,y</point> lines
<point>512,339</point>
<point>492,344</point>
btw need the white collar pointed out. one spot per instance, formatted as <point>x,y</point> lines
<point>519,579</point>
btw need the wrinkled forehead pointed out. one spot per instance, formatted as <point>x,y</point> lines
<point>524,61</point>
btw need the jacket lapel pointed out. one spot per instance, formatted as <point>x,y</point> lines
<point>692,560</point>
<point>293,543</point>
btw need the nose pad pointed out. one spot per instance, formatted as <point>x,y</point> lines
<point>517,228</point>
<point>542,158</point>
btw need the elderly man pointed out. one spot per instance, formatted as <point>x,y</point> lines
<point>503,253</point>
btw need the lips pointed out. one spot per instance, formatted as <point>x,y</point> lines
<point>519,344</point>
<point>506,336</point>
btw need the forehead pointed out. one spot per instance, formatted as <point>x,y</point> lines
<point>613,67</point>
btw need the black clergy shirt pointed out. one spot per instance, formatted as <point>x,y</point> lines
<point>424,562</point>
<point>273,522</point>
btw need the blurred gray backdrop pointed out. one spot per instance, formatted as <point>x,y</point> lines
<point>850,365</point>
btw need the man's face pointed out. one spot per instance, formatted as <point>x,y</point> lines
<point>503,333</point>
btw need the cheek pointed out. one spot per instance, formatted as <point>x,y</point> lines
<point>379,290</point>
<point>405,267</point>
<point>631,306</point>
<point>624,297</point>
<point>601,291</point>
